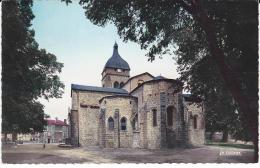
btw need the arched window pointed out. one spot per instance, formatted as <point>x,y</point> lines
<point>110,123</point>
<point>171,116</point>
<point>123,123</point>
<point>121,84</point>
<point>195,122</point>
<point>116,84</point>
<point>154,117</point>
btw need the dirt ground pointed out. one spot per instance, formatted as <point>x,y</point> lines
<point>34,153</point>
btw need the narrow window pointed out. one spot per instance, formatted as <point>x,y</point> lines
<point>134,124</point>
<point>195,118</point>
<point>123,123</point>
<point>154,117</point>
<point>116,84</point>
<point>110,123</point>
<point>169,117</point>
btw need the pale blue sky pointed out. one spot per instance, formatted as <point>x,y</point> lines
<point>84,49</point>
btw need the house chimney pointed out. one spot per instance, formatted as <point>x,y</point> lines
<point>56,118</point>
<point>65,121</point>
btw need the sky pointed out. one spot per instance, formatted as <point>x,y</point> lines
<point>84,48</point>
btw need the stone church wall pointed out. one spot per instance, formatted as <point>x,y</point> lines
<point>160,95</point>
<point>195,136</point>
<point>110,80</point>
<point>142,111</point>
<point>74,123</point>
<point>110,75</point>
<point>74,118</point>
<point>114,72</point>
<point>88,110</point>
<point>133,83</point>
<point>149,98</point>
<point>117,108</point>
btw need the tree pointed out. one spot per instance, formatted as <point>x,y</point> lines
<point>156,25</point>
<point>221,115</point>
<point>237,33</point>
<point>47,116</point>
<point>27,71</point>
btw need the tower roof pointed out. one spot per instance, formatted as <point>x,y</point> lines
<point>116,61</point>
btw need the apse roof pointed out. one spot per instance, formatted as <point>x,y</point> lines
<point>159,77</point>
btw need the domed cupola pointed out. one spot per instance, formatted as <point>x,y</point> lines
<point>116,71</point>
<point>116,61</point>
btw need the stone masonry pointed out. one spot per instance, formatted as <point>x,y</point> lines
<point>138,112</point>
<point>118,107</point>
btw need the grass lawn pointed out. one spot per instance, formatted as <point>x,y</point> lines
<point>229,144</point>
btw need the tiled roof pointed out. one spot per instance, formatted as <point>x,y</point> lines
<point>116,61</point>
<point>98,89</point>
<point>55,122</point>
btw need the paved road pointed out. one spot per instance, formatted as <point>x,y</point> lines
<point>34,153</point>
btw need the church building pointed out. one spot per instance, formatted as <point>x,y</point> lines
<point>141,111</point>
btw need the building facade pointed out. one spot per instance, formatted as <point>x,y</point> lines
<point>142,111</point>
<point>21,138</point>
<point>56,131</point>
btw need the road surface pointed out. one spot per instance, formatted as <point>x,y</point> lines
<point>34,153</point>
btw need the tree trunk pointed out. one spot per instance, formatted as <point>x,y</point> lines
<point>14,137</point>
<point>225,135</point>
<point>5,138</point>
<point>228,75</point>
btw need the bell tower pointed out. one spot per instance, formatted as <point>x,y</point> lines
<point>116,71</point>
